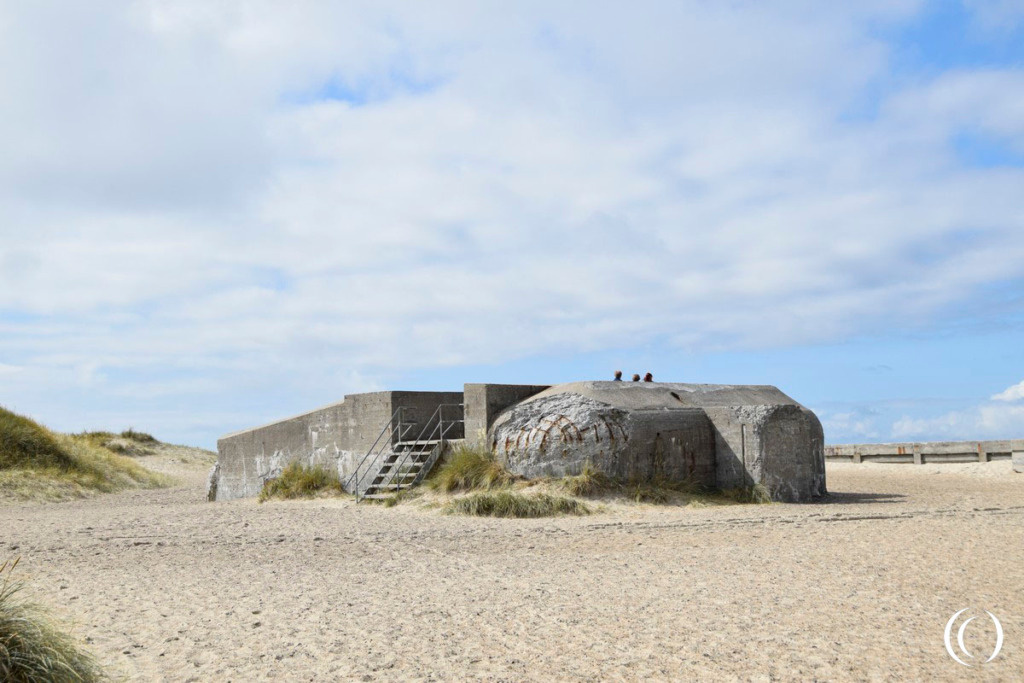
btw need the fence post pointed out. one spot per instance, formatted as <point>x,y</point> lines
<point>982,452</point>
<point>918,460</point>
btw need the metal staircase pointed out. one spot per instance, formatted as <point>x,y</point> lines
<point>394,462</point>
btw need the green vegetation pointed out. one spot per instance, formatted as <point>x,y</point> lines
<point>36,463</point>
<point>512,504</point>
<point>32,648</point>
<point>140,437</point>
<point>299,481</point>
<point>128,442</point>
<point>476,470</point>
<point>592,483</point>
<point>470,469</point>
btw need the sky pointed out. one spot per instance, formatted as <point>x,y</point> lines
<point>215,215</point>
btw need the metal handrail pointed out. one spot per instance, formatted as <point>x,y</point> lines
<point>438,430</point>
<point>387,427</point>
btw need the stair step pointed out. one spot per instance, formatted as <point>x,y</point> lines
<point>408,456</point>
<point>378,496</point>
<point>403,462</point>
<point>424,442</point>
<point>388,487</point>
<point>398,472</point>
<point>410,465</point>
<point>404,481</point>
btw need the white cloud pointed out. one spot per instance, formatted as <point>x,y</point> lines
<point>1002,416</point>
<point>494,182</point>
<point>850,426</point>
<point>987,421</point>
<point>9,369</point>
<point>1014,393</point>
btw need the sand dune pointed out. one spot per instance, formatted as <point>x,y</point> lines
<point>169,587</point>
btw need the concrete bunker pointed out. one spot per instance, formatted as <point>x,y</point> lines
<point>718,435</point>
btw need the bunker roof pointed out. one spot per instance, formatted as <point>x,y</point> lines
<point>670,395</point>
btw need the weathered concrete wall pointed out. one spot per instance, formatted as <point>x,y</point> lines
<point>485,401</point>
<point>419,406</point>
<point>729,436</point>
<point>556,435</point>
<point>336,436</point>
<point>792,465</point>
<point>922,453</point>
<point>1018,455</point>
<point>713,434</point>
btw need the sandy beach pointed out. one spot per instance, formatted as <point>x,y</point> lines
<point>167,587</point>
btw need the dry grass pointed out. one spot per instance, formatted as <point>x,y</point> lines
<point>756,495</point>
<point>589,483</point>
<point>140,437</point>
<point>32,647</point>
<point>128,442</point>
<point>299,481</point>
<point>592,483</point>
<point>512,504</point>
<point>38,464</point>
<point>470,469</point>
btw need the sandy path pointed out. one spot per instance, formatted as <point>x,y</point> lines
<point>169,587</point>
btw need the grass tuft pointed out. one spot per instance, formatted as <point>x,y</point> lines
<point>589,482</point>
<point>138,437</point>
<point>511,504</point>
<point>128,442</point>
<point>661,491</point>
<point>36,463</point>
<point>756,495</point>
<point>299,481</point>
<point>470,469</point>
<point>25,443</point>
<point>592,483</point>
<point>32,647</point>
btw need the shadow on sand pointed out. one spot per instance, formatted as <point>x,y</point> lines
<point>849,498</point>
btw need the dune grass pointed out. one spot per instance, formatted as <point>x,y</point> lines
<point>749,495</point>
<point>129,442</point>
<point>140,437</point>
<point>32,646</point>
<point>36,463</point>
<point>493,489</point>
<point>514,504</point>
<point>592,483</point>
<point>470,469</point>
<point>299,481</point>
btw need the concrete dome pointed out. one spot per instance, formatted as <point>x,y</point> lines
<point>713,434</point>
